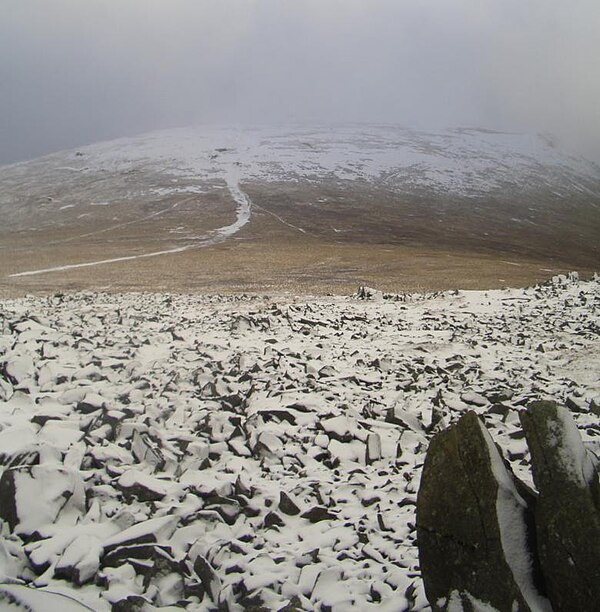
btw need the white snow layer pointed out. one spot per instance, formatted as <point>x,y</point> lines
<point>458,161</point>
<point>510,510</point>
<point>462,161</point>
<point>272,444</point>
<point>574,456</point>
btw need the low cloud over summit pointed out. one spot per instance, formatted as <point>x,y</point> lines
<point>79,72</point>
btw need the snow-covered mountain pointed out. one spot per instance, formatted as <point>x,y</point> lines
<point>167,192</point>
<point>468,162</point>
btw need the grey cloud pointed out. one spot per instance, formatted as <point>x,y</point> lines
<point>74,72</point>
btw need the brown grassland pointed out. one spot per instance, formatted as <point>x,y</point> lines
<point>307,239</point>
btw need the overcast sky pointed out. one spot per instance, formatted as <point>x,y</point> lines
<point>74,72</point>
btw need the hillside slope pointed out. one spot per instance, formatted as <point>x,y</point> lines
<point>362,190</point>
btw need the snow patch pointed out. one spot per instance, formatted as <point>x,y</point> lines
<point>510,509</point>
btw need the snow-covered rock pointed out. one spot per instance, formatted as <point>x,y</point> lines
<point>473,523</point>
<point>40,496</point>
<point>567,512</point>
<point>279,440</point>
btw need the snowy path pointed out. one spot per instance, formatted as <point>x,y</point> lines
<point>268,212</point>
<point>110,228</point>
<point>124,224</point>
<point>243,214</point>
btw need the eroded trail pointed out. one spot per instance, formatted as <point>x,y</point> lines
<point>243,214</point>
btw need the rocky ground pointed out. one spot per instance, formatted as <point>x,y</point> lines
<point>245,452</point>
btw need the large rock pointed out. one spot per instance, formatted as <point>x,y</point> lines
<point>474,525</point>
<point>567,514</point>
<point>40,496</point>
<point>19,445</point>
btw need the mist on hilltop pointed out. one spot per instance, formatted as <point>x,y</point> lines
<point>76,72</point>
